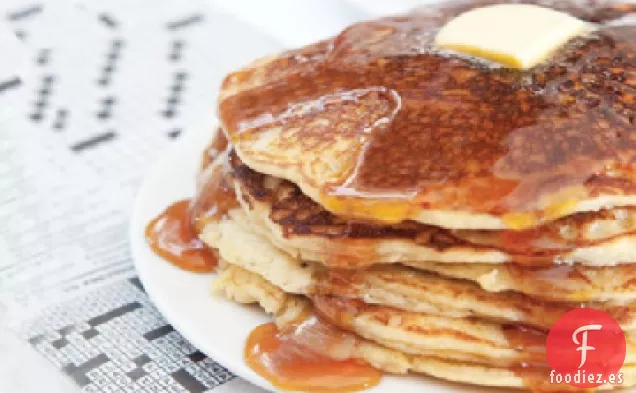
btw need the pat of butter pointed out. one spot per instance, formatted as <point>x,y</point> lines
<point>515,35</point>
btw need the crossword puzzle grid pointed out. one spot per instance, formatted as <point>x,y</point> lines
<point>114,340</point>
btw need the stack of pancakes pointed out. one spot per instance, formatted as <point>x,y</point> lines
<point>443,210</point>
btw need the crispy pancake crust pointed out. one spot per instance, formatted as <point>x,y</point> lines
<point>299,225</point>
<point>378,124</point>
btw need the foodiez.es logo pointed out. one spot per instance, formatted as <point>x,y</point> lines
<point>586,348</point>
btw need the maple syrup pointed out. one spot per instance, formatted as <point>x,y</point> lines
<point>217,147</point>
<point>531,342</point>
<point>215,195</point>
<point>174,234</point>
<point>309,355</point>
<point>172,237</point>
<point>339,282</point>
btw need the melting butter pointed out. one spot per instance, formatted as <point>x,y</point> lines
<point>515,35</point>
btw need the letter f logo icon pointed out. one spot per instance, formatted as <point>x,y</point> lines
<point>583,343</point>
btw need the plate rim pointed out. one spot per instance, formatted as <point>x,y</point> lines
<point>148,284</point>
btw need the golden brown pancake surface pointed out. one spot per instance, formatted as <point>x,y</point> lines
<point>379,124</point>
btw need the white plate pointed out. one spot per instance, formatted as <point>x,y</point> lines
<point>213,324</point>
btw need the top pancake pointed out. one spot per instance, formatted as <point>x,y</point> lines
<point>378,124</point>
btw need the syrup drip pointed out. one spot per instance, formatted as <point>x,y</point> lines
<point>219,145</point>
<point>339,282</point>
<point>172,237</point>
<point>338,311</point>
<point>301,357</point>
<point>529,341</point>
<point>215,195</point>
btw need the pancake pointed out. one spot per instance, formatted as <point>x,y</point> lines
<point>378,124</point>
<point>302,227</point>
<point>422,334</point>
<point>398,286</point>
<point>245,287</point>
<point>565,283</point>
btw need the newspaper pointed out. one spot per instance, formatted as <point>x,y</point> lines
<point>90,96</point>
<point>107,93</point>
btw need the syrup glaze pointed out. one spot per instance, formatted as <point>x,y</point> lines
<point>300,356</point>
<point>444,132</point>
